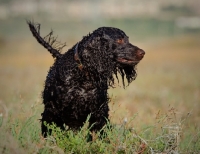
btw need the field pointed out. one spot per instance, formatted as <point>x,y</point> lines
<point>164,98</point>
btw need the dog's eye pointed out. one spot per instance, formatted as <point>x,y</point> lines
<point>120,41</point>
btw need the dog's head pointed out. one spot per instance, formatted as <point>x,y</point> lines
<point>110,52</point>
<point>125,54</point>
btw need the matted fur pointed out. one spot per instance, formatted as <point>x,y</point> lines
<point>72,92</point>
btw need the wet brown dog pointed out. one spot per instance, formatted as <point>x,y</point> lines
<point>77,83</point>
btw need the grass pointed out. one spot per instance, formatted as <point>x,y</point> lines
<point>157,113</point>
<point>163,136</point>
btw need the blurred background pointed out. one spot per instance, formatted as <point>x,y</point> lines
<point>168,76</point>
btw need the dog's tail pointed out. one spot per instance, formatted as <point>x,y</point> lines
<point>49,42</point>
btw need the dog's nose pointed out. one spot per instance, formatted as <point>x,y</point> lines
<point>140,54</point>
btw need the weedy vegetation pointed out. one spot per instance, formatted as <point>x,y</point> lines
<point>158,113</point>
<point>165,135</point>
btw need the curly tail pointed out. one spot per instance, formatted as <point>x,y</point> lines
<point>48,42</point>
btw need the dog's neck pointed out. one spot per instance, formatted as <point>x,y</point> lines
<point>76,57</point>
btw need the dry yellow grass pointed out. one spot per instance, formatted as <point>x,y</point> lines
<point>168,76</point>
<point>168,84</point>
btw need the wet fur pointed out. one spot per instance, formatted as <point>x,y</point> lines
<point>71,92</point>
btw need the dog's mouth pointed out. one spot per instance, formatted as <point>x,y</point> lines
<point>127,61</point>
<point>132,61</point>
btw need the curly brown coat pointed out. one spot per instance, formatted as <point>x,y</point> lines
<point>77,83</point>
